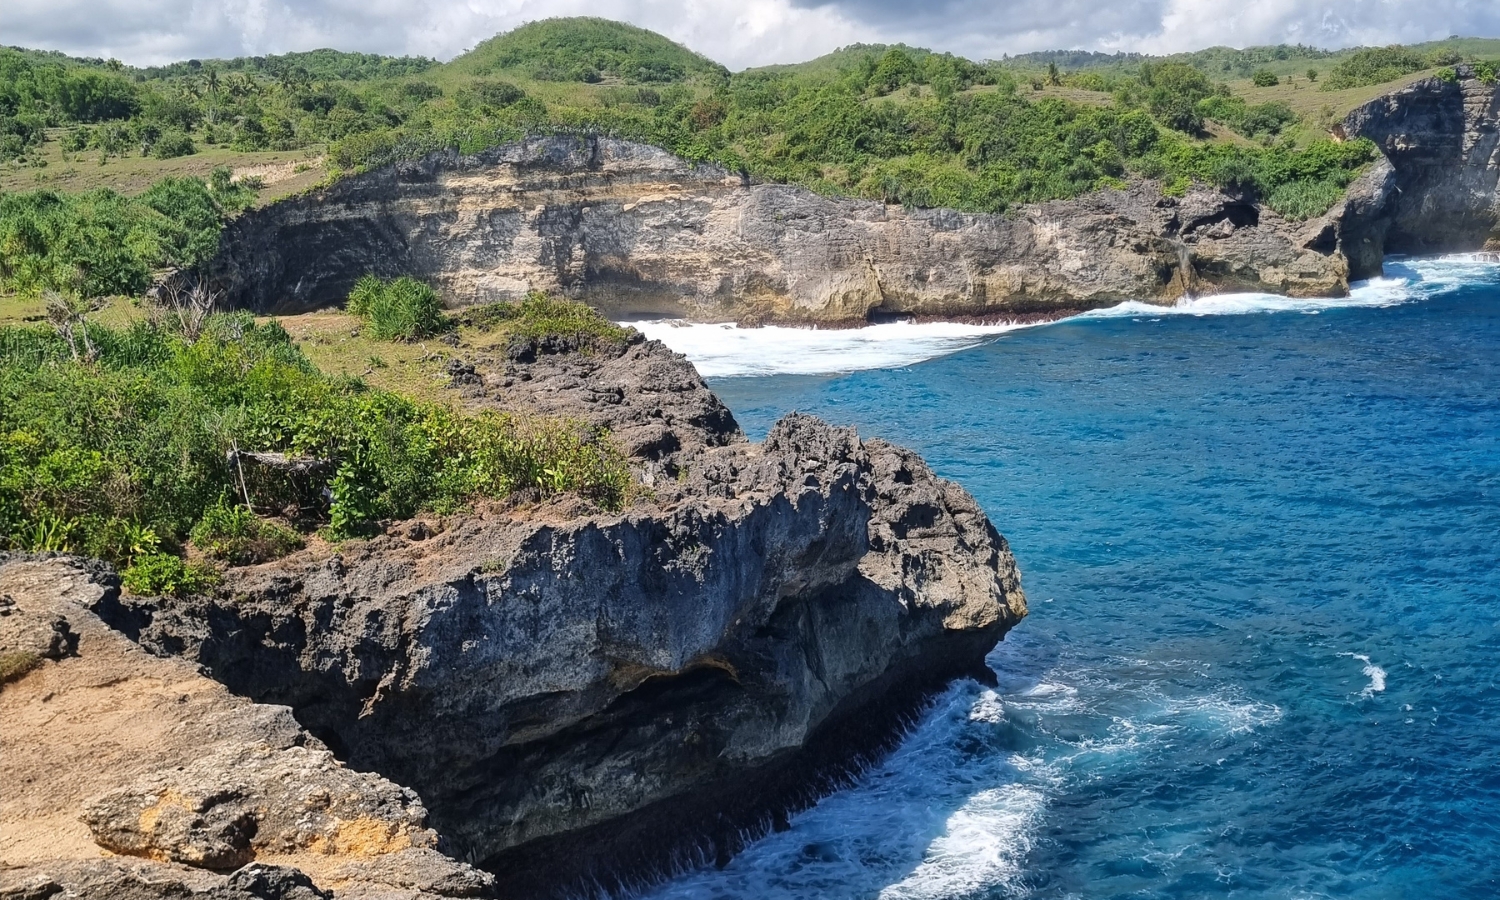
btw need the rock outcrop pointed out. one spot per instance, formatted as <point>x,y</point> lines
<point>585,698</point>
<point>634,230</point>
<point>1435,191</point>
<point>108,748</point>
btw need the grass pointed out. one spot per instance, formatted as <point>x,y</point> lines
<point>1319,109</point>
<point>131,175</point>
<point>135,492</point>
<point>16,664</point>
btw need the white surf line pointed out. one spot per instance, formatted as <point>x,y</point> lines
<point>726,350</point>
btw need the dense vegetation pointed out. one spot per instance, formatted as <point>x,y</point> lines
<point>127,443</point>
<point>590,50</point>
<point>257,103</point>
<point>100,243</point>
<point>901,125</point>
<point>893,123</point>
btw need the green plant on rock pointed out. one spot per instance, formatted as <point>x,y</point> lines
<point>234,534</point>
<point>164,575</point>
<point>403,309</point>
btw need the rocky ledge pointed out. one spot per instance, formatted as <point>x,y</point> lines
<point>633,230</point>
<point>580,699</point>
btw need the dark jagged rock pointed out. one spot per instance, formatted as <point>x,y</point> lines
<point>582,697</point>
<point>632,229</point>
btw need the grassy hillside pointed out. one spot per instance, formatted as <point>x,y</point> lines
<point>587,51</point>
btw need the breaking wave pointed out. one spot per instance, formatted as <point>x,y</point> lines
<point>724,350</point>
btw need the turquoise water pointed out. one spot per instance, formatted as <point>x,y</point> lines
<point>1260,548</point>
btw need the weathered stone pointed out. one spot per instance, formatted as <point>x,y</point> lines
<point>632,229</point>
<point>579,696</point>
<point>225,809</point>
<point>1436,189</point>
<point>182,772</point>
<point>276,883</point>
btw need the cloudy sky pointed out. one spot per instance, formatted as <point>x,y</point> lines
<point>738,33</point>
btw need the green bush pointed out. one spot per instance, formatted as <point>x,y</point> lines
<point>100,243</point>
<point>124,456</point>
<point>400,310</point>
<point>1374,65</point>
<point>164,575</point>
<point>1305,199</point>
<point>173,144</point>
<point>234,534</point>
<point>1264,78</point>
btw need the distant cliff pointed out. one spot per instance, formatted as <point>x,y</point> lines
<point>1435,189</point>
<point>633,229</point>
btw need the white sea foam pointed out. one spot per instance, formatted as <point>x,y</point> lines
<point>936,819</point>
<point>1371,671</point>
<point>727,350</point>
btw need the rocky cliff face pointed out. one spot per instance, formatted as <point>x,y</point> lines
<point>132,776</point>
<point>1435,190</point>
<point>634,230</point>
<point>581,698</point>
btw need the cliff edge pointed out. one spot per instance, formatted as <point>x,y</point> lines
<point>567,698</point>
<point>633,230</point>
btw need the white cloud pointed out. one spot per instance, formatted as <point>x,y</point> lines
<point>737,33</point>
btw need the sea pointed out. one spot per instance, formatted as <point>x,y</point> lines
<point>1260,538</point>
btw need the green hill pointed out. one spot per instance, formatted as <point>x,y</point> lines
<point>893,123</point>
<point>587,50</point>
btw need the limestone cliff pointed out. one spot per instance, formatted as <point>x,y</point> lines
<point>632,229</point>
<point>578,698</point>
<point>1435,189</point>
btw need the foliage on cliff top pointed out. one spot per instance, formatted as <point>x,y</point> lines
<point>101,243</point>
<point>117,443</point>
<point>883,122</point>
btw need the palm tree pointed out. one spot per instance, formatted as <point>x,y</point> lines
<point>211,88</point>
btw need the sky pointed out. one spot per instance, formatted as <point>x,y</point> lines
<point>737,33</point>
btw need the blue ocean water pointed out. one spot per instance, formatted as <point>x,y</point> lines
<point>1262,552</point>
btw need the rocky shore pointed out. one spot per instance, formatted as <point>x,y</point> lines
<point>526,701</point>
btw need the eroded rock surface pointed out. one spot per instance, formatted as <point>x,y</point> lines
<point>108,749</point>
<point>632,229</point>
<point>1435,191</point>
<point>580,696</point>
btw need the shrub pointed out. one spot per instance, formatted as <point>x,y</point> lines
<point>173,144</point>
<point>1264,78</point>
<point>16,664</point>
<point>1373,65</point>
<point>164,575</point>
<point>154,474</point>
<point>234,534</point>
<point>1305,199</point>
<point>401,310</point>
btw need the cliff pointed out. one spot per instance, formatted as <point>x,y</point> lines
<point>578,698</point>
<point>633,230</point>
<point>1435,189</point>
